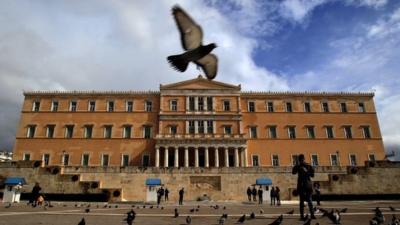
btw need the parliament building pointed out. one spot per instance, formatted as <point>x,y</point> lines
<point>198,123</point>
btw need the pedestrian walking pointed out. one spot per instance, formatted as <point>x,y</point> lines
<point>278,195</point>
<point>35,194</point>
<point>260,196</point>
<point>181,193</point>
<point>166,194</point>
<point>254,193</point>
<point>317,193</point>
<point>272,195</point>
<point>249,193</point>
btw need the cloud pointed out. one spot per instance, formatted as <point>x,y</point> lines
<point>298,10</point>
<point>368,3</point>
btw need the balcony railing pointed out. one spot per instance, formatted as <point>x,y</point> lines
<point>191,136</point>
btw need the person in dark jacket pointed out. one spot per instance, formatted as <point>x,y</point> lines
<point>272,195</point>
<point>181,193</point>
<point>159,196</point>
<point>260,196</point>
<point>278,195</point>
<point>166,194</point>
<point>304,185</point>
<point>254,193</point>
<point>317,193</point>
<point>249,193</point>
<point>35,193</point>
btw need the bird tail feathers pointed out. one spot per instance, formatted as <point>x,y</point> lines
<point>178,62</point>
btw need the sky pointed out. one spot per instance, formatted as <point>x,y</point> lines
<point>297,45</point>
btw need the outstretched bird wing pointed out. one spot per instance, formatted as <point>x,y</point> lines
<point>191,33</point>
<point>209,64</point>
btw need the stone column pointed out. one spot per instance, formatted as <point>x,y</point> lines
<point>205,103</point>
<point>216,157</point>
<point>176,157</point>
<point>196,127</point>
<point>236,157</point>
<point>157,156</point>
<point>226,157</point>
<point>187,103</point>
<point>205,126</point>
<point>196,157</point>
<point>207,164</point>
<point>186,157</point>
<point>196,101</point>
<point>245,158</point>
<point>166,157</point>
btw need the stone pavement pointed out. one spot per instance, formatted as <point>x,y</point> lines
<point>70,213</point>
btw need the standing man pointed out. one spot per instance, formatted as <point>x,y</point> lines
<point>317,193</point>
<point>181,193</point>
<point>166,194</point>
<point>304,185</point>
<point>278,195</point>
<point>158,196</point>
<point>254,193</point>
<point>249,193</point>
<point>272,195</point>
<point>260,196</point>
<point>35,194</point>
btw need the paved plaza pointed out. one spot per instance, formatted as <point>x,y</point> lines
<point>70,213</point>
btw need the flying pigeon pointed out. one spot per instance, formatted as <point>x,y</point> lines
<point>278,221</point>
<point>252,215</point>
<point>191,210</point>
<point>221,220</point>
<point>176,214</point>
<point>188,220</point>
<point>261,211</point>
<point>308,222</point>
<point>242,219</point>
<point>82,222</point>
<point>191,39</point>
<point>87,210</point>
<point>131,215</point>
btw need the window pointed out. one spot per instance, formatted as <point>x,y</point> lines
<point>227,105</point>
<point>31,131</point>
<point>129,106</point>
<point>69,131</point>
<point>329,132</point>
<point>270,106</point>
<point>110,106</point>
<point>275,160</point>
<point>210,127</point>
<point>272,132</point>
<point>295,160</point>
<point>173,105</point>
<point>46,159</point>
<point>26,157</point>
<point>209,103</point>
<point>50,131</point>
<point>255,160</point>
<point>347,132</point>
<point>146,160</point>
<point>191,104</point>
<point>253,132</point>
<point>307,107</point>
<point>227,129</point>
<point>107,131</point>
<point>314,160</point>
<point>353,160</point>
<point>125,160</point>
<point>310,132</point>
<point>147,131</point>
<point>325,107</point>
<point>173,129</point>
<point>366,132</point>
<point>85,160</point>
<point>65,160</point>
<point>54,106</point>
<point>371,157</point>
<point>292,132</point>
<point>334,160</point>
<point>36,106</point>
<point>92,106</point>
<point>200,104</point>
<point>361,107</point>
<point>148,106</point>
<point>191,127</point>
<point>289,107</point>
<point>127,131</point>
<point>343,107</point>
<point>252,107</point>
<point>105,160</point>
<point>72,106</point>
<point>88,131</point>
<point>200,127</point>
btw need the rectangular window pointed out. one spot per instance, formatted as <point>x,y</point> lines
<point>334,160</point>
<point>191,127</point>
<point>371,157</point>
<point>36,106</point>
<point>366,132</point>
<point>307,107</point>
<point>252,107</point>
<point>209,103</point>
<point>270,106</point>
<point>325,107</point>
<point>173,129</point>
<point>54,106</point>
<point>347,132</point>
<point>146,160</point>
<point>272,132</point>
<point>227,105</point>
<point>227,129</point>
<point>46,159</point>
<point>275,160</point>
<point>127,132</point>
<point>200,104</point>
<point>353,160</point>
<point>361,107</point>
<point>69,131</point>
<point>343,107</point>
<point>85,160</point>
<point>26,157</point>
<point>329,132</point>
<point>314,160</point>
<point>88,131</point>
<point>147,132</point>
<point>110,106</point>
<point>255,160</point>
<point>253,132</point>
<point>310,132</point>
<point>65,160</point>
<point>72,106</point>
<point>30,133</point>
<point>200,126</point>
<point>105,160</point>
<point>191,103</point>
<point>92,106</point>
<point>173,105</point>
<point>148,106</point>
<point>289,107</point>
<point>295,160</point>
<point>125,160</point>
<point>107,131</point>
<point>50,131</point>
<point>129,106</point>
<point>292,132</point>
<point>210,127</point>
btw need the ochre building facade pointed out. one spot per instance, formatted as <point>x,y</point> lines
<point>198,123</point>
